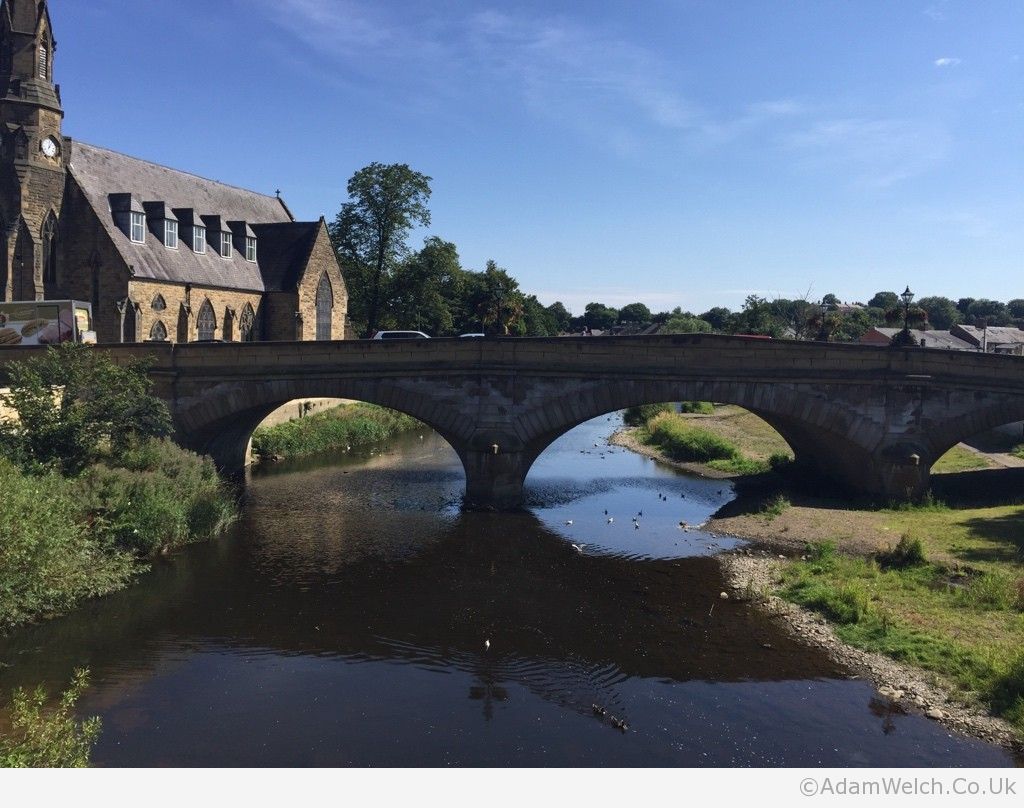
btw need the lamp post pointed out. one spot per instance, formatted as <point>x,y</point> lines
<point>907,296</point>
<point>823,333</point>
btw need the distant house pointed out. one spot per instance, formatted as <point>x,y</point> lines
<point>923,339</point>
<point>996,339</point>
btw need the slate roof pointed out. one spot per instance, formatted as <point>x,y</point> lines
<point>283,250</point>
<point>993,335</point>
<point>100,172</point>
<point>929,339</point>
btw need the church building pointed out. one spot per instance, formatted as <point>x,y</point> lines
<point>161,254</point>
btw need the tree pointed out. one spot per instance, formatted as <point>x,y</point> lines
<point>984,312</point>
<point>942,312</point>
<point>561,317</point>
<point>537,321</point>
<point>600,316</point>
<point>719,317</point>
<point>756,318</point>
<point>73,403</point>
<point>497,301</point>
<point>425,293</point>
<point>684,323</point>
<point>635,313</point>
<point>370,231</point>
<point>884,300</point>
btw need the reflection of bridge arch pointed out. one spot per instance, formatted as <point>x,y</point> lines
<point>873,418</point>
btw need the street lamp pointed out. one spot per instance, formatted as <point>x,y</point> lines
<point>907,296</point>
<point>823,333</point>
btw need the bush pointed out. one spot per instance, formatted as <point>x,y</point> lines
<point>158,495</point>
<point>775,507</point>
<point>680,441</point>
<point>638,416</point>
<point>907,553</point>
<point>41,738</point>
<point>74,404</point>
<point>49,557</point>
<point>780,461</point>
<point>347,425</point>
<point>697,407</point>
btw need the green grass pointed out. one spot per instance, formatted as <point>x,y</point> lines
<point>966,625</point>
<point>638,416</point>
<point>697,407</point>
<point>775,507</point>
<point>346,425</point>
<point>960,459</point>
<point>1018,451</point>
<point>680,441</point>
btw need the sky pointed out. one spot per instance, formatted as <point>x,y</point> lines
<point>673,152</point>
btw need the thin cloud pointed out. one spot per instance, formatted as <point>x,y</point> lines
<point>947,61</point>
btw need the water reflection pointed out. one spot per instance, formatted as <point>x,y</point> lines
<point>344,623</point>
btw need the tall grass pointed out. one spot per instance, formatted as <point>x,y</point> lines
<point>347,425</point>
<point>638,416</point>
<point>680,441</point>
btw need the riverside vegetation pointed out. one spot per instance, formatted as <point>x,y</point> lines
<point>92,490</point>
<point>342,427</point>
<point>946,597</point>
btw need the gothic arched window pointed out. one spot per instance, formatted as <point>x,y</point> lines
<point>50,249</point>
<point>247,324</point>
<point>158,333</point>
<point>324,308</point>
<point>129,321</point>
<point>159,304</point>
<point>206,323</point>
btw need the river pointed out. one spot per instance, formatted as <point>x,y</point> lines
<point>355,616</point>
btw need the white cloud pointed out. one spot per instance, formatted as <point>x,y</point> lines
<point>947,61</point>
<point>878,152</point>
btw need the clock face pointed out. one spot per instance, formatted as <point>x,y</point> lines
<point>49,147</point>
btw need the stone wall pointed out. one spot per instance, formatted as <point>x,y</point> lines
<point>143,293</point>
<point>321,260</point>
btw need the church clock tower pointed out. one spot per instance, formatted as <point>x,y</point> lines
<point>32,152</point>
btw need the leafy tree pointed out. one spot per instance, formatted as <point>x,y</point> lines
<point>425,293</point>
<point>600,316</point>
<point>684,323</point>
<point>831,301</point>
<point>942,312</point>
<point>537,321</point>
<point>1016,308</point>
<point>719,317</point>
<point>984,312</point>
<point>756,318</point>
<point>635,313</point>
<point>561,317</point>
<point>497,301</point>
<point>884,300</point>
<point>963,305</point>
<point>369,233</point>
<point>73,403</point>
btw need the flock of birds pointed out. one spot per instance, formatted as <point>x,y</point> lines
<point>683,525</point>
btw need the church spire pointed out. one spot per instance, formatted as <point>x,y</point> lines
<point>27,47</point>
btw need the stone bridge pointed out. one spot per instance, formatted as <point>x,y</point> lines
<point>873,419</point>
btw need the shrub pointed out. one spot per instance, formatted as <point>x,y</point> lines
<point>775,507</point>
<point>680,441</point>
<point>49,558</point>
<point>48,738</point>
<point>73,404</point>
<point>638,416</point>
<point>158,495</point>
<point>907,553</point>
<point>697,407</point>
<point>780,461</point>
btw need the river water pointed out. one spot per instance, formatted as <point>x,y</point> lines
<point>346,621</point>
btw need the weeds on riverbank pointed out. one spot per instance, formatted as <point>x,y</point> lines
<point>964,624</point>
<point>348,425</point>
<point>42,737</point>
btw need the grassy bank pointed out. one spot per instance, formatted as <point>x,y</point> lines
<point>348,425</point>
<point>964,622</point>
<point>68,538</point>
<point>729,441</point>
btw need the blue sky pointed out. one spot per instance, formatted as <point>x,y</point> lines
<point>675,152</point>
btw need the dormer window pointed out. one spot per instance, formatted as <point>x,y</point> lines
<point>250,249</point>
<point>170,234</point>
<point>138,227</point>
<point>199,239</point>
<point>225,244</point>
<point>44,62</point>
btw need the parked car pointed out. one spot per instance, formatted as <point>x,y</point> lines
<point>401,335</point>
<point>461,336</point>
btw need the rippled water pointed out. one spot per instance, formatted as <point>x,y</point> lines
<point>344,620</point>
